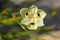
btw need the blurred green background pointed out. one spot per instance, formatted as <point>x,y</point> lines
<point>9,15</point>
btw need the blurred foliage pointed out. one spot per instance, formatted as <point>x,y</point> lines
<point>35,37</point>
<point>10,20</point>
<point>54,10</point>
<point>32,1</point>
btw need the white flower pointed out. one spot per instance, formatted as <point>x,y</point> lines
<point>32,17</point>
